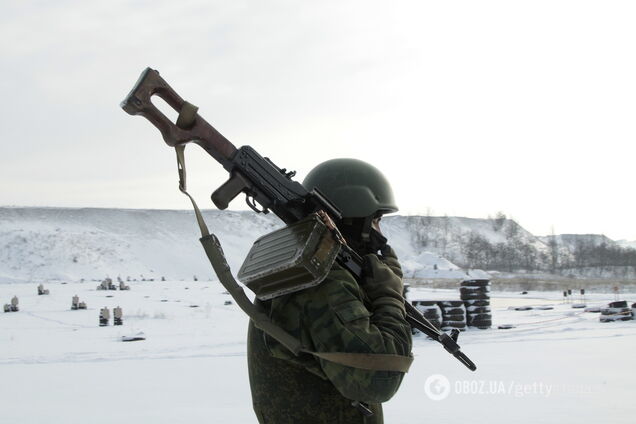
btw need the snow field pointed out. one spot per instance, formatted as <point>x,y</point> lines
<point>58,366</point>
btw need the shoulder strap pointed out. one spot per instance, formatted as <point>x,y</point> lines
<point>214,252</point>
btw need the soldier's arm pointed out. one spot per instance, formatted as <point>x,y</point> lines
<point>340,322</point>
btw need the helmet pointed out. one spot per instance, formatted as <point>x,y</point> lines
<point>357,188</point>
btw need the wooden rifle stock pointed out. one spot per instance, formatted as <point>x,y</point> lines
<point>193,127</point>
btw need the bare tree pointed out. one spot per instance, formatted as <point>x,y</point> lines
<point>498,221</point>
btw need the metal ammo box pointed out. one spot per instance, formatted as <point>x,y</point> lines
<point>290,259</point>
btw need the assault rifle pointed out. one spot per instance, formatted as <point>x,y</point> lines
<point>264,184</point>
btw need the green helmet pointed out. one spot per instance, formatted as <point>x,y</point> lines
<point>357,188</point>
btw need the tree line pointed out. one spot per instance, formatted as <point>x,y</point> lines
<point>512,249</point>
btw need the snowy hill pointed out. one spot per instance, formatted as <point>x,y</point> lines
<point>451,236</point>
<point>74,244</point>
<point>89,243</point>
<point>61,243</point>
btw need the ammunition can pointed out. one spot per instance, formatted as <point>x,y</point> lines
<point>290,259</point>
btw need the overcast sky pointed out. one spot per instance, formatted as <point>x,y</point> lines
<point>468,107</point>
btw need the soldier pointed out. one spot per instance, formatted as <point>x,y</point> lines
<point>338,315</point>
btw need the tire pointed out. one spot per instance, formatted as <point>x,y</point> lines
<point>454,311</point>
<point>480,316</point>
<point>475,283</point>
<point>618,304</point>
<point>450,303</point>
<point>476,296</point>
<point>477,302</point>
<point>472,290</point>
<point>428,310</point>
<point>424,303</point>
<point>455,324</point>
<point>481,320</point>
<point>454,317</point>
<point>475,310</point>
<point>476,319</point>
<point>481,323</point>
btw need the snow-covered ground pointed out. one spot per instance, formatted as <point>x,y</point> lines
<point>58,366</point>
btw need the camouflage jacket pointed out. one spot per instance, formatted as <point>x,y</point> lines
<point>330,317</point>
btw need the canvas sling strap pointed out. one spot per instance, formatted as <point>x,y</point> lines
<point>212,247</point>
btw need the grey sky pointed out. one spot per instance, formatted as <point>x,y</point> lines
<point>468,107</point>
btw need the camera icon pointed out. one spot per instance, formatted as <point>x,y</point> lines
<point>437,387</point>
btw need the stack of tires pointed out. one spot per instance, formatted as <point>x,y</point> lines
<point>616,311</point>
<point>453,314</point>
<point>430,310</point>
<point>476,297</point>
<point>634,310</point>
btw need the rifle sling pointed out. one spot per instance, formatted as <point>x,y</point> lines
<point>214,251</point>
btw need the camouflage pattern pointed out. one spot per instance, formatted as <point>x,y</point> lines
<point>335,316</point>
